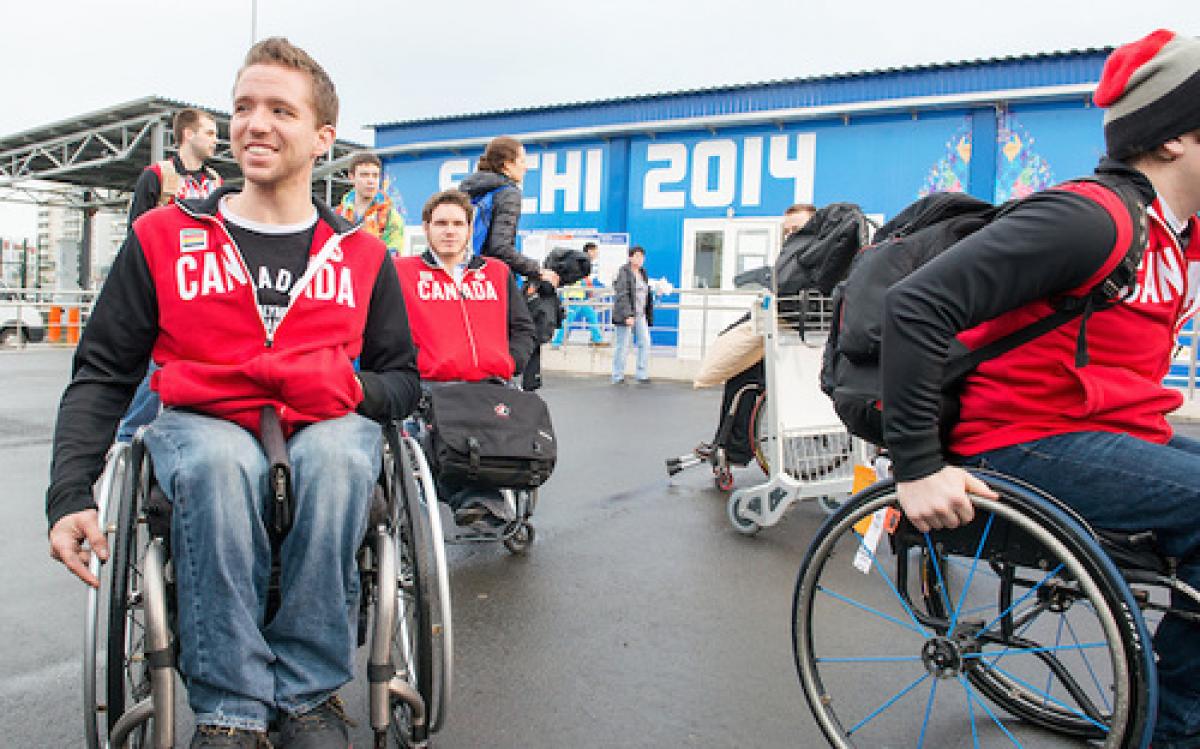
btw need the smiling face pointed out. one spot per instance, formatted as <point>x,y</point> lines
<point>274,132</point>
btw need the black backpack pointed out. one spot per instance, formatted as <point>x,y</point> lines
<point>815,257</point>
<point>850,369</point>
<point>491,435</point>
<point>570,264</point>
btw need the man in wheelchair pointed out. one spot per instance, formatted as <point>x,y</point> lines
<point>245,300</point>
<point>1091,430</point>
<point>469,323</point>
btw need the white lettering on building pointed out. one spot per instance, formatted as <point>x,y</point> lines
<point>714,165</point>
<point>576,174</point>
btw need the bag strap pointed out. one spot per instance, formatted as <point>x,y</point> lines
<point>169,181</point>
<point>1105,294</point>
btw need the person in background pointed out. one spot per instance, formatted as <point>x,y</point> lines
<point>580,307</point>
<point>184,176</point>
<point>368,205</point>
<point>633,314</point>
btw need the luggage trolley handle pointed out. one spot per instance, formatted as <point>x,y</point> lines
<point>280,473</point>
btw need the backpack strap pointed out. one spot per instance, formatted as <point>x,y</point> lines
<point>1103,295</point>
<point>169,181</point>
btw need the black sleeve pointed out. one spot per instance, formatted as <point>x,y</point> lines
<point>623,306</point>
<point>388,365</point>
<point>1050,244</point>
<point>109,363</point>
<point>145,194</point>
<point>502,236</point>
<point>522,336</point>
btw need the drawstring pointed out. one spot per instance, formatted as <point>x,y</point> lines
<point>1081,352</point>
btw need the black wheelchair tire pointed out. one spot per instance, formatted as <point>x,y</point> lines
<point>126,549</point>
<point>1133,640</point>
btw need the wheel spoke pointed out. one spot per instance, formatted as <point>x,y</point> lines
<point>870,610</point>
<point>1023,598</point>
<point>1058,703</point>
<point>962,598</point>
<point>972,697</point>
<point>928,712</point>
<point>875,565</point>
<point>1088,663</point>
<point>891,701</point>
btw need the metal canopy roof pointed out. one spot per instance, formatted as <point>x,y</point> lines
<point>109,148</point>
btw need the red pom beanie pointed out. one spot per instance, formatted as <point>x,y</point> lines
<point>1150,91</point>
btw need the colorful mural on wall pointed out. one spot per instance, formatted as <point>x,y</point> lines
<point>951,172</point>
<point>1020,168</point>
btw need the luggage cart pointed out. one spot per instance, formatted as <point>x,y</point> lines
<point>808,453</point>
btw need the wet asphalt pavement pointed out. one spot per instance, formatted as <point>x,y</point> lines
<point>639,618</point>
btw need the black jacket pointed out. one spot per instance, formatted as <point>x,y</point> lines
<point>1054,241</point>
<point>506,214</point>
<point>624,301</point>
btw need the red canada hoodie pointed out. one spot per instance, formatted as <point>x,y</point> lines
<point>1036,391</point>
<point>235,365</point>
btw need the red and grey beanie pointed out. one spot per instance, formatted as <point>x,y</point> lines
<point>1150,90</point>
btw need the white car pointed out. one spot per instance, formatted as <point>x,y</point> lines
<point>19,321</point>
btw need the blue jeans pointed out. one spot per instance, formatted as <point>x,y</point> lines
<point>240,670</point>
<point>641,335</point>
<point>142,409</point>
<point>579,313</point>
<point>1119,482</point>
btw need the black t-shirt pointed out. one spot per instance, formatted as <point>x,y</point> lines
<point>276,258</point>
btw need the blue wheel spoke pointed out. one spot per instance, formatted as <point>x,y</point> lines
<point>869,610</point>
<point>1074,711</point>
<point>1087,662</point>
<point>895,698</point>
<point>928,712</point>
<point>872,659</point>
<point>972,697</point>
<point>892,586</point>
<point>1023,598</point>
<point>1036,649</point>
<point>962,599</point>
<point>1062,619</point>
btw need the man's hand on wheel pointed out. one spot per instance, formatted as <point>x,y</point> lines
<point>66,543</point>
<point>940,499</point>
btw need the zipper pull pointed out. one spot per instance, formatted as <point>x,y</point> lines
<point>269,342</point>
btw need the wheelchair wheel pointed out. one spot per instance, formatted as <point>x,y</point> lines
<point>758,432</point>
<point>423,635</point>
<point>903,638</point>
<point>127,672</point>
<point>519,541</point>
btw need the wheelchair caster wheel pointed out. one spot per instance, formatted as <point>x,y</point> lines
<point>522,537</point>
<point>829,505</point>
<point>723,478</point>
<point>741,524</point>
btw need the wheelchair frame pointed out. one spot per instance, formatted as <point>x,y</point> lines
<point>1037,562</point>
<point>409,665</point>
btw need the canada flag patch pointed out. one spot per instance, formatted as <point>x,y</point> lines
<point>193,240</point>
<point>502,410</point>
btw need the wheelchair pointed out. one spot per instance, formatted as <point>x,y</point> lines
<point>904,638</point>
<point>404,612</point>
<point>517,534</point>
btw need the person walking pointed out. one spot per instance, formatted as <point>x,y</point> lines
<point>633,314</point>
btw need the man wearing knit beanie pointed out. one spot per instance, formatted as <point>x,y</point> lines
<point>1150,91</point>
<point>1090,430</point>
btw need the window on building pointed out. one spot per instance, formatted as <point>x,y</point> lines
<point>709,247</point>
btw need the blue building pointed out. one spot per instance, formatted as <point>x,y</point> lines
<point>700,178</point>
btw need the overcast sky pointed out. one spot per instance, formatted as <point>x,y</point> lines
<point>403,59</point>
